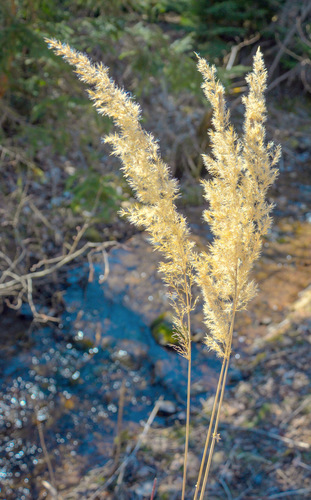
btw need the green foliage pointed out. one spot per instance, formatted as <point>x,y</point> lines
<point>94,195</point>
<point>151,42</point>
<point>156,38</point>
<point>225,20</point>
<point>153,57</point>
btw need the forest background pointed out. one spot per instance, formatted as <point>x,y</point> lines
<point>60,188</point>
<point>49,131</point>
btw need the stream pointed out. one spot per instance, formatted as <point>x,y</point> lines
<point>67,379</point>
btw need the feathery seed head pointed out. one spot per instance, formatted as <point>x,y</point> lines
<point>151,181</point>
<point>238,214</point>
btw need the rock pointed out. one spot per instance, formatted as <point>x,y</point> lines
<point>167,407</point>
<point>300,380</point>
<point>145,471</point>
<point>266,320</point>
<point>130,353</point>
<point>244,388</point>
<point>219,457</point>
<point>177,463</point>
<point>170,487</point>
<point>144,489</point>
<point>234,375</point>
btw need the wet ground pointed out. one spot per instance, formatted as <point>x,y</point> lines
<point>68,380</point>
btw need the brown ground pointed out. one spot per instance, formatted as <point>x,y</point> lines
<point>265,446</point>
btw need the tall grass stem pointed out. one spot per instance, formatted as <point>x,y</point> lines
<point>197,487</point>
<point>188,400</point>
<point>223,385</point>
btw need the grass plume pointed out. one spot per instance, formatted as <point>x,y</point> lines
<point>156,192</point>
<point>242,170</point>
<point>149,177</point>
<point>238,215</point>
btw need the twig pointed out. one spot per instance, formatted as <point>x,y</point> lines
<point>298,463</point>
<point>294,413</point>
<point>229,461</point>
<point>50,488</point>
<point>47,458</point>
<point>242,495</point>
<point>42,262</point>
<point>153,488</point>
<point>86,224</point>
<point>235,49</point>
<point>77,238</point>
<point>301,33</point>
<point>280,79</point>
<point>37,316</point>
<point>22,202</point>
<point>122,471</point>
<point>106,264</point>
<point>133,453</point>
<point>287,40</point>
<point>91,267</point>
<point>40,215</point>
<point>29,297</point>
<point>119,421</point>
<point>226,488</point>
<point>291,443</point>
<point>12,264</point>
<point>148,424</point>
<point>17,156</point>
<point>281,51</point>
<point>67,258</point>
<point>302,491</point>
<point>6,258</point>
<point>18,301</point>
<point>21,284</point>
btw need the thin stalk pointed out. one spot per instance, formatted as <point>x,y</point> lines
<point>226,363</point>
<point>187,430</point>
<point>46,455</point>
<point>215,435</point>
<point>197,487</point>
<point>119,422</point>
<point>188,405</point>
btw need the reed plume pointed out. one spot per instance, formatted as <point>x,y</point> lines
<point>149,177</point>
<point>238,215</point>
<point>156,192</point>
<point>242,170</point>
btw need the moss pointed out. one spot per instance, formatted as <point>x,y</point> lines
<point>278,338</point>
<point>282,240</point>
<point>92,234</point>
<point>262,414</point>
<point>84,344</point>
<point>164,496</point>
<point>261,356</point>
<point>162,330</point>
